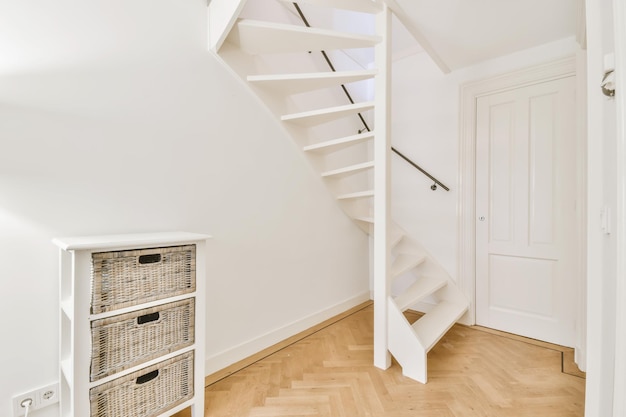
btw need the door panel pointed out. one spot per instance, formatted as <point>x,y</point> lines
<point>525,204</point>
<point>521,285</point>
<point>542,142</point>
<point>502,117</point>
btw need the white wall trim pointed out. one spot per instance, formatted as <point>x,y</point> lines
<point>221,360</point>
<point>580,356</point>
<point>469,93</point>
<point>619,387</point>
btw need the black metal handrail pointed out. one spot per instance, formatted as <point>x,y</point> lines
<point>432,187</point>
<point>365,125</point>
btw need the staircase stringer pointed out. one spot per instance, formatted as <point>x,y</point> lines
<point>222,15</point>
<point>405,345</point>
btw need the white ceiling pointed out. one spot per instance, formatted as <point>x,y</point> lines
<point>465,32</point>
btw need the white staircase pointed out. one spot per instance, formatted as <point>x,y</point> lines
<point>325,126</point>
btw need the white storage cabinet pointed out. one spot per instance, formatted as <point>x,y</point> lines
<point>132,325</point>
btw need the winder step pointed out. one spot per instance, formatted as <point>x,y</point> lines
<point>404,263</point>
<point>259,37</point>
<point>396,235</point>
<point>433,325</point>
<point>420,289</point>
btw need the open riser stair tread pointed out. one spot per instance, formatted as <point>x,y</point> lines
<point>319,116</point>
<point>303,82</point>
<point>364,219</point>
<point>420,289</point>
<point>362,6</point>
<point>395,236</point>
<point>358,194</point>
<point>349,169</point>
<point>260,37</point>
<point>405,262</point>
<point>433,325</point>
<point>340,143</point>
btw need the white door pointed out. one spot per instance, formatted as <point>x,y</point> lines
<point>526,274</point>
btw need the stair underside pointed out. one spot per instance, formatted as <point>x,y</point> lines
<point>315,117</point>
<point>420,289</point>
<point>258,37</point>
<point>340,143</point>
<point>363,6</point>
<point>433,325</point>
<point>300,83</point>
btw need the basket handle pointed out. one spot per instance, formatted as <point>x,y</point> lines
<point>147,318</point>
<point>152,258</point>
<point>147,377</point>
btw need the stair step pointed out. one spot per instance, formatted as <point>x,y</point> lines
<point>259,37</point>
<point>302,82</point>
<point>432,326</point>
<point>420,289</point>
<point>364,219</point>
<point>363,6</point>
<point>396,236</point>
<point>336,144</point>
<point>315,117</point>
<point>358,194</point>
<point>349,169</point>
<point>405,262</point>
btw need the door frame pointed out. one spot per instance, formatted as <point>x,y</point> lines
<point>619,384</point>
<point>470,92</point>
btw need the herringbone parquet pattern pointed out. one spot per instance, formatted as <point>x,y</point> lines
<point>330,373</point>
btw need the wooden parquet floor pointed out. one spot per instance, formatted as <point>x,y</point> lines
<point>472,373</point>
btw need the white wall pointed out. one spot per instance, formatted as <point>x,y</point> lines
<point>114,119</point>
<point>425,127</point>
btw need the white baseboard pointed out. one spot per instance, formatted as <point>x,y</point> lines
<point>580,359</point>
<point>244,350</point>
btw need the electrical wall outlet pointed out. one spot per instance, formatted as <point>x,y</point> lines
<point>39,398</point>
<point>48,395</point>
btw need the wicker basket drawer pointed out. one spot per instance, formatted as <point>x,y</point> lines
<point>127,340</point>
<point>145,393</point>
<point>126,278</point>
